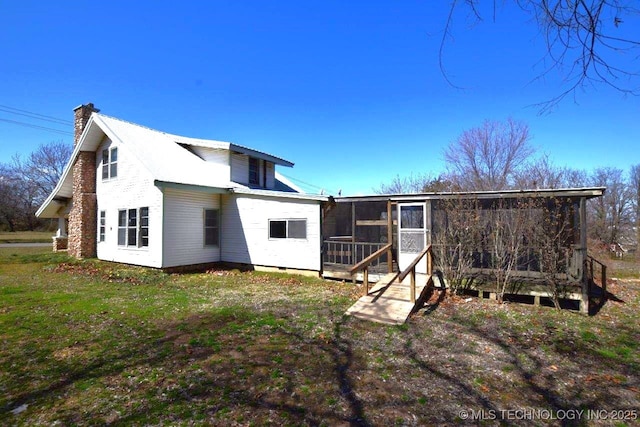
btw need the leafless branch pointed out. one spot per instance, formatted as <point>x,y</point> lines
<point>579,40</point>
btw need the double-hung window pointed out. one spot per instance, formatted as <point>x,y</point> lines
<point>133,227</point>
<point>211,227</point>
<point>287,228</point>
<point>110,163</point>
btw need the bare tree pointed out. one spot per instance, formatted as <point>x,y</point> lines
<point>456,235</point>
<point>634,184</point>
<point>408,184</point>
<point>487,157</point>
<point>43,167</point>
<point>26,182</point>
<point>542,173</point>
<point>550,239</point>
<point>508,224</point>
<point>585,40</point>
<point>419,183</point>
<point>9,206</point>
<point>612,212</point>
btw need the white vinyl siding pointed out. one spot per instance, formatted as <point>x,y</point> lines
<point>240,168</point>
<point>245,232</point>
<point>218,156</point>
<point>271,176</point>
<point>217,160</point>
<point>184,219</point>
<point>240,171</point>
<point>134,189</point>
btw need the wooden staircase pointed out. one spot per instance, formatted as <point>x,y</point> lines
<point>389,301</point>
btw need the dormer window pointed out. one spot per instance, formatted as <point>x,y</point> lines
<point>110,163</point>
<point>254,171</point>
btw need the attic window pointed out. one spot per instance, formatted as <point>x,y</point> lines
<point>254,171</point>
<point>110,163</point>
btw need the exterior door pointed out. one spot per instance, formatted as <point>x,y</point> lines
<point>412,234</point>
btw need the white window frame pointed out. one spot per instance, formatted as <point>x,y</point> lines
<point>206,227</point>
<point>102,226</point>
<point>287,222</point>
<point>109,166</point>
<point>133,223</point>
<point>143,227</point>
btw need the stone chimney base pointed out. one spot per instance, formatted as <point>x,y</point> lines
<point>83,226</point>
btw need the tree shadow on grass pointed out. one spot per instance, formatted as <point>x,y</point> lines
<point>264,379</point>
<point>538,382</point>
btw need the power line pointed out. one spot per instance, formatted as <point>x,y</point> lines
<point>30,125</point>
<point>308,184</point>
<point>31,114</point>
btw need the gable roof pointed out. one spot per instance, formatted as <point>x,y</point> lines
<point>161,153</point>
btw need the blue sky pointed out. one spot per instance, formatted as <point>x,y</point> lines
<point>351,92</point>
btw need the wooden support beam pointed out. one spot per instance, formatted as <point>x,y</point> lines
<point>371,222</point>
<point>365,280</point>
<point>586,278</point>
<point>353,229</point>
<point>389,236</point>
<point>413,285</point>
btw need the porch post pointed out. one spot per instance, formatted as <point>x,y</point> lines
<point>62,227</point>
<point>60,240</point>
<point>389,236</point>
<point>584,303</point>
<point>354,260</point>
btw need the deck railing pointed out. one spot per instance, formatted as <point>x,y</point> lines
<point>367,262</point>
<point>350,253</point>
<point>411,269</point>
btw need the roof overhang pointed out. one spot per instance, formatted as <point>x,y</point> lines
<point>278,194</point>
<point>90,139</point>
<point>588,193</point>
<point>191,187</point>
<point>260,155</point>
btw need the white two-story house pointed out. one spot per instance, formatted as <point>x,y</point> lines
<point>140,196</point>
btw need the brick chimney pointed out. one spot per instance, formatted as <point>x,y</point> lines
<point>83,216</point>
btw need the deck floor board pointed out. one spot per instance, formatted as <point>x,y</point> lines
<point>389,301</point>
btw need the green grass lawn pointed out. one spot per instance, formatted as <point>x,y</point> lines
<point>26,236</point>
<point>89,342</point>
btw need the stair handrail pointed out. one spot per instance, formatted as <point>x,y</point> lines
<point>364,265</point>
<point>411,269</point>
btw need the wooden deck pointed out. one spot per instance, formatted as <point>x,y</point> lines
<point>389,300</point>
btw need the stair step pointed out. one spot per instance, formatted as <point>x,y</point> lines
<point>387,302</point>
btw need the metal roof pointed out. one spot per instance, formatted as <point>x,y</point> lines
<point>588,192</point>
<point>162,154</point>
